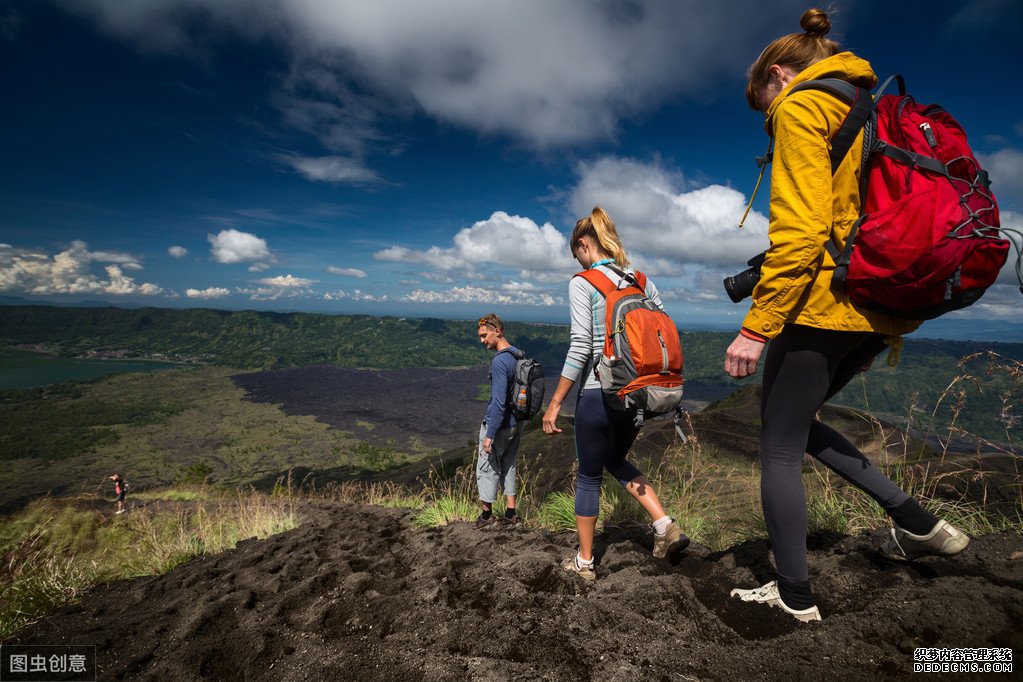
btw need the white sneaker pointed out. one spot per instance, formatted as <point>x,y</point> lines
<point>768,594</point>
<point>943,540</point>
<point>120,511</point>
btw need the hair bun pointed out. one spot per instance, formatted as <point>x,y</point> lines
<point>815,22</point>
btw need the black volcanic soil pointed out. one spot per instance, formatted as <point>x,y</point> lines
<point>436,405</point>
<point>359,593</point>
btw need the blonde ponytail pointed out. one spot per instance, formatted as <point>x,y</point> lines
<point>600,227</point>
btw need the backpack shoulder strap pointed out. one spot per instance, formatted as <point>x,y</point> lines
<point>641,281</point>
<point>861,116</point>
<point>518,354</point>
<point>599,280</point>
<point>861,104</point>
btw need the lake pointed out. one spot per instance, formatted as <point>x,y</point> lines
<point>25,369</point>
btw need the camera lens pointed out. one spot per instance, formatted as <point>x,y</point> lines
<point>741,285</point>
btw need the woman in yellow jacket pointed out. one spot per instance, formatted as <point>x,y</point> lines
<point>816,339</point>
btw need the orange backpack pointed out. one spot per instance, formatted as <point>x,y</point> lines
<point>641,364</point>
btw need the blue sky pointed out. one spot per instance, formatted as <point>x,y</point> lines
<point>430,158</point>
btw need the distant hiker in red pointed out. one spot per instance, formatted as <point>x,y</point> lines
<point>816,338</point>
<point>119,489</point>
<point>604,429</point>
<point>498,450</point>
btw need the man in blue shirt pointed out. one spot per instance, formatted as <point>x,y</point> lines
<point>499,434</point>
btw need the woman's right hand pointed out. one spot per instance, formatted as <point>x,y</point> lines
<point>550,418</point>
<point>742,356</point>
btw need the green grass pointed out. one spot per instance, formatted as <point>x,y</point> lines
<point>217,435</point>
<point>557,512</point>
<point>446,509</point>
<point>54,550</point>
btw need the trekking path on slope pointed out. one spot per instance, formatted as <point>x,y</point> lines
<point>359,592</point>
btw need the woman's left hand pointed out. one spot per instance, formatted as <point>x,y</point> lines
<point>742,356</point>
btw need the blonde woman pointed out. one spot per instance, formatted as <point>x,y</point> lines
<point>603,432</point>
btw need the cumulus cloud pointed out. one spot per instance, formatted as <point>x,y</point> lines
<point>503,239</point>
<point>177,251</point>
<point>356,295</point>
<point>68,272</point>
<point>1006,170</point>
<point>1013,222</point>
<point>286,282</point>
<point>488,295</point>
<point>346,272</point>
<point>206,294</point>
<point>659,218</point>
<point>565,72</point>
<point>232,246</point>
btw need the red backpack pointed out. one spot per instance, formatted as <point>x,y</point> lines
<point>641,364</point>
<point>928,240</point>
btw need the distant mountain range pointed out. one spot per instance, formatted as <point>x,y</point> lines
<point>951,328</point>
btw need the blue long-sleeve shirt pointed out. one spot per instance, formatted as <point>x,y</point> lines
<point>502,374</point>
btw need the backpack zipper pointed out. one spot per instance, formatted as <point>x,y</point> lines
<point>925,128</point>
<point>664,353</point>
<point>955,280</point>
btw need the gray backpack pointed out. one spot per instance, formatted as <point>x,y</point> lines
<point>527,386</point>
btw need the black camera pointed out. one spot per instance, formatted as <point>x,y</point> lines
<point>741,285</point>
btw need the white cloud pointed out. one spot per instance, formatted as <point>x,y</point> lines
<point>688,295</point>
<point>346,272</point>
<point>205,294</point>
<point>1001,301</point>
<point>286,282</point>
<point>35,272</point>
<point>1006,170</point>
<point>177,251</point>
<point>545,73</point>
<point>232,246</point>
<point>474,294</point>
<point>331,169</point>
<point>1014,222</point>
<point>503,239</point>
<point>259,267</point>
<point>658,218</point>
<point>356,295</point>
<point>547,276</point>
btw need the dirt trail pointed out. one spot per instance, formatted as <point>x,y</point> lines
<point>358,592</point>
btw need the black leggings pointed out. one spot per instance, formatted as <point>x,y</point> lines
<point>804,368</point>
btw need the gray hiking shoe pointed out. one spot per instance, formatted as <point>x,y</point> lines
<point>943,540</point>
<point>673,540</point>
<point>511,522</point>
<point>483,523</point>
<point>768,594</point>
<point>585,572</point>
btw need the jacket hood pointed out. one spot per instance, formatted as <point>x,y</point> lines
<point>844,65</point>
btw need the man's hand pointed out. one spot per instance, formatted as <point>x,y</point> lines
<point>742,356</point>
<point>488,445</point>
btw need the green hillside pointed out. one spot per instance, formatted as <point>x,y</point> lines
<point>985,399</point>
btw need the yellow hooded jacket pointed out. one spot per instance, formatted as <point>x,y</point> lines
<point>808,206</point>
